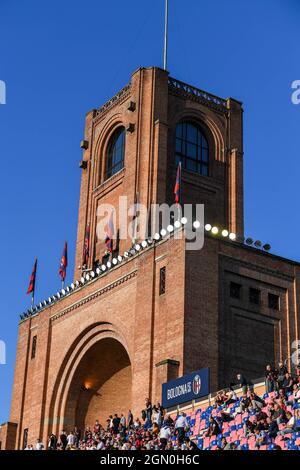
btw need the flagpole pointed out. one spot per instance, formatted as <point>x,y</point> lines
<point>32,299</point>
<point>166,35</point>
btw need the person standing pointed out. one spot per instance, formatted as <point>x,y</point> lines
<point>129,420</point>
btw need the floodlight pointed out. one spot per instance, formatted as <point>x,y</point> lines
<point>267,247</point>
<point>232,236</point>
<point>258,244</point>
<point>249,241</point>
<point>196,224</point>
<point>208,227</point>
<point>215,230</point>
<point>184,220</point>
<point>170,228</point>
<point>108,264</point>
<point>103,267</point>
<point>144,244</point>
<point>120,258</point>
<point>114,261</point>
<point>163,232</point>
<point>177,224</point>
<point>156,236</point>
<point>225,233</point>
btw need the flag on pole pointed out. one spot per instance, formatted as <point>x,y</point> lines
<point>135,217</point>
<point>109,233</point>
<point>86,246</point>
<point>64,263</point>
<point>177,189</point>
<point>31,286</point>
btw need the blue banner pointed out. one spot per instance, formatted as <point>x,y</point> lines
<point>186,388</point>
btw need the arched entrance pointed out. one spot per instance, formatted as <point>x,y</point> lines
<point>100,386</point>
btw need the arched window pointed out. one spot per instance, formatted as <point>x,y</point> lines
<point>191,148</point>
<point>115,153</point>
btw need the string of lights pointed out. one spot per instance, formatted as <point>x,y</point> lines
<point>88,277</point>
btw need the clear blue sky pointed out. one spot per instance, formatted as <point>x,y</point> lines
<point>61,58</point>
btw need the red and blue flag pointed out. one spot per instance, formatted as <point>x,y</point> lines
<point>109,233</point>
<point>177,189</point>
<point>64,263</point>
<point>86,246</point>
<point>31,286</point>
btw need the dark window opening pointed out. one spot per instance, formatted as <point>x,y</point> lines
<point>33,347</point>
<point>191,148</point>
<point>273,301</point>
<point>115,153</point>
<point>25,438</point>
<point>162,280</point>
<point>254,296</point>
<point>235,290</point>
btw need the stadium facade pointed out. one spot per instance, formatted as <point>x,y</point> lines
<point>164,311</point>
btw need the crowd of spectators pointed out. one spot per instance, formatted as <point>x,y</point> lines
<point>265,419</point>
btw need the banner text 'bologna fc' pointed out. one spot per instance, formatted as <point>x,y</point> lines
<point>186,388</point>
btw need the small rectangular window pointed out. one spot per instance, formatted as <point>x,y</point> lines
<point>162,280</point>
<point>235,290</point>
<point>33,347</point>
<point>254,296</point>
<point>25,438</point>
<point>273,301</point>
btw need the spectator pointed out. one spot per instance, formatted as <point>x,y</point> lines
<point>164,435</point>
<point>270,379</point>
<point>287,383</point>
<point>272,427</point>
<point>213,428</point>
<point>282,370</point>
<point>129,419</point>
<point>63,440</point>
<point>260,438</point>
<point>278,414</point>
<point>39,445</point>
<point>290,425</point>
<point>123,423</point>
<point>116,424</point>
<point>71,439</point>
<point>245,402</point>
<point>52,442</point>
<point>180,425</point>
<point>256,402</point>
<point>148,409</point>
<point>242,382</point>
<point>96,426</point>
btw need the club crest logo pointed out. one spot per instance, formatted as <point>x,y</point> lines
<point>196,384</point>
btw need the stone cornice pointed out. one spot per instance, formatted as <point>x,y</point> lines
<point>94,295</point>
<point>119,98</point>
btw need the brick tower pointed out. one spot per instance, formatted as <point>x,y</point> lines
<point>114,336</point>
